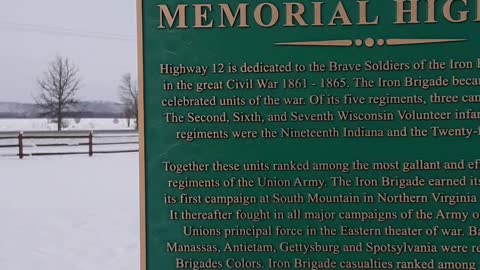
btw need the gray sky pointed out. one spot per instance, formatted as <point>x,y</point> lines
<point>99,36</point>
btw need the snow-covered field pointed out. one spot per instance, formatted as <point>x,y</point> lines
<point>69,213</point>
<point>71,124</point>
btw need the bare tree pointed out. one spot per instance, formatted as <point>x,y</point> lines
<point>128,90</point>
<point>58,88</point>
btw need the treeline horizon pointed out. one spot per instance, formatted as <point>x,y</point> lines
<point>84,109</point>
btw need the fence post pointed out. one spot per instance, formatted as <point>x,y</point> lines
<point>20,145</point>
<point>90,144</point>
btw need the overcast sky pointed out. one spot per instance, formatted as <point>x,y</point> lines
<point>99,36</point>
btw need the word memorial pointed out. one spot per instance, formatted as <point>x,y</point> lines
<point>335,134</point>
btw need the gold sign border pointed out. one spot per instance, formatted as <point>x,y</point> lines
<point>141,137</point>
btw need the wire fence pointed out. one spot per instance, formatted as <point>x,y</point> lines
<point>67,143</point>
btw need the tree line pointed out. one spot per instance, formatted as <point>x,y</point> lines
<point>59,88</point>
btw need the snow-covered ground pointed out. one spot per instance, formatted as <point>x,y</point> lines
<point>71,124</point>
<point>69,212</point>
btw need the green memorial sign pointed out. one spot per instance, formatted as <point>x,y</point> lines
<point>310,134</point>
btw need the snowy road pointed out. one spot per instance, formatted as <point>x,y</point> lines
<point>69,212</point>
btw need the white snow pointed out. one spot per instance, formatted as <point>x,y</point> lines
<point>69,212</point>
<point>78,124</point>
